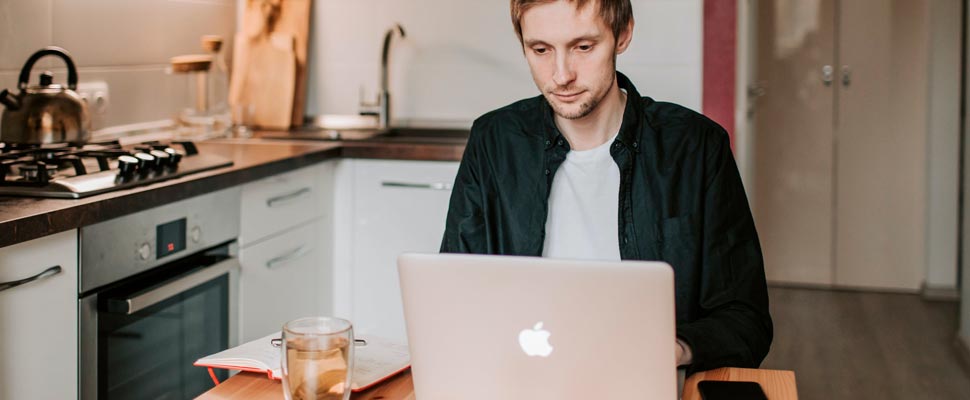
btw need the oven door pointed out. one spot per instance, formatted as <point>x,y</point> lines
<point>140,342</point>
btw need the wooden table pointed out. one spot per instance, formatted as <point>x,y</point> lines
<point>778,385</point>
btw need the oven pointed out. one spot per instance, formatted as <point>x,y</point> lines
<point>158,291</point>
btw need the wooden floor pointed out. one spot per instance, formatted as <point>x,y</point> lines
<point>856,345</point>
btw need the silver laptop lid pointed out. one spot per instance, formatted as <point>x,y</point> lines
<point>500,327</point>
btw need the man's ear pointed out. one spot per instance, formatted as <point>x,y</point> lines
<point>626,36</point>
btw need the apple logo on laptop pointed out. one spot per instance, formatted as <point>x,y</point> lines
<point>535,341</point>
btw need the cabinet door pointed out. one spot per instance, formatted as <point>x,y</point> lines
<point>277,203</point>
<point>38,320</point>
<point>399,206</point>
<point>281,280</point>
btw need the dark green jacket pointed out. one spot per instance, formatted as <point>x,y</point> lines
<point>681,201</point>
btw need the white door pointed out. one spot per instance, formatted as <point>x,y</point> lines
<point>881,129</point>
<point>841,142</point>
<point>794,143</point>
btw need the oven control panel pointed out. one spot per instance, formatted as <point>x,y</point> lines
<point>134,243</point>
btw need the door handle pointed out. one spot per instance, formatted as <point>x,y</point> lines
<point>42,275</point>
<point>413,185</point>
<point>846,76</point>
<point>828,75</point>
<point>289,256</point>
<point>163,291</point>
<point>286,198</point>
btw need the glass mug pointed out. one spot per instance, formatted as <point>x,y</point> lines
<point>318,357</point>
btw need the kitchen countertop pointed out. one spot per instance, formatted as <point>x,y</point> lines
<point>24,218</point>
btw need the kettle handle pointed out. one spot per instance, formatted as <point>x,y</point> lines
<point>49,51</point>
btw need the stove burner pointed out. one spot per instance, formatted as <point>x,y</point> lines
<point>73,170</point>
<point>31,172</point>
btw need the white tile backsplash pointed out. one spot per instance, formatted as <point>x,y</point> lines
<point>25,27</point>
<point>461,57</point>
<point>126,32</point>
<point>125,43</point>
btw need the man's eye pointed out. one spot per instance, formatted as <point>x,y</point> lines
<point>585,47</point>
<point>539,50</point>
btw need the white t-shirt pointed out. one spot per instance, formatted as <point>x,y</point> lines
<point>582,222</point>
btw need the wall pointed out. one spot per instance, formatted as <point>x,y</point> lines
<point>943,146</point>
<point>964,271</point>
<point>125,43</point>
<point>461,57</point>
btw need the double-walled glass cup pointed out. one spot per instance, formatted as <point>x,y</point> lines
<point>318,357</point>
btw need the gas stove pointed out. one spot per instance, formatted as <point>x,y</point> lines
<point>68,170</point>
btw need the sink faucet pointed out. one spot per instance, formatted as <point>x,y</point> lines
<point>382,108</point>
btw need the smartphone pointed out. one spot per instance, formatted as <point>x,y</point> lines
<point>730,390</point>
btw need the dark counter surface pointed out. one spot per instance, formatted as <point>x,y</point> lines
<point>23,218</point>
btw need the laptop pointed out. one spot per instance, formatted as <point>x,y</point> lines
<point>502,327</point>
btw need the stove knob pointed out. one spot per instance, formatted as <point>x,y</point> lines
<point>162,157</point>
<point>195,234</point>
<point>127,165</point>
<point>144,251</point>
<point>174,156</point>
<point>148,162</point>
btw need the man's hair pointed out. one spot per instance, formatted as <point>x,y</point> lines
<point>616,13</point>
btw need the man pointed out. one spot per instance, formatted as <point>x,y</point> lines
<point>590,169</point>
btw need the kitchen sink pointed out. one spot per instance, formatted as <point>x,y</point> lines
<point>410,134</point>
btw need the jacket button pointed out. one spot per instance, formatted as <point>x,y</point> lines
<point>559,142</point>
<point>548,142</point>
<point>548,172</point>
<point>626,239</point>
<point>634,145</point>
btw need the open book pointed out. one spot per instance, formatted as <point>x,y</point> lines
<point>374,361</point>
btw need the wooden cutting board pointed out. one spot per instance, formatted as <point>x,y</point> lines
<point>267,79</point>
<point>269,62</point>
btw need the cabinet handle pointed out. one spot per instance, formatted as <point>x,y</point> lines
<point>430,186</point>
<point>828,73</point>
<point>286,198</point>
<point>45,274</point>
<point>289,256</point>
<point>846,76</point>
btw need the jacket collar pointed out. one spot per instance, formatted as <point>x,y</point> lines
<point>629,129</point>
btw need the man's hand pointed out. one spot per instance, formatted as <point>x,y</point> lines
<point>684,355</point>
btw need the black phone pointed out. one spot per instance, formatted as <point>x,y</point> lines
<point>730,390</point>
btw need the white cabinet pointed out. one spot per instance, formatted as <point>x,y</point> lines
<point>38,320</point>
<point>271,205</point>
<point>285,249</point>
<point>280,280</point>
<point>394,207</point>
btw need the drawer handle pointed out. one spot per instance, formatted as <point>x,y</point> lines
<point>289,256</point>
<point>45,274</point>
<point>286,198</point>
<point>430,186</point>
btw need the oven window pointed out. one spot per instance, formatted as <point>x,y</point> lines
<point>149,355</point>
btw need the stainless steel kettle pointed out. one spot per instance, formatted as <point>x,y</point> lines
<point>48,112</point>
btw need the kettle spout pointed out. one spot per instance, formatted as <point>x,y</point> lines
<point>9,100</point>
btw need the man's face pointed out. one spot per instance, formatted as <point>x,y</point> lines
<point>572,55</point>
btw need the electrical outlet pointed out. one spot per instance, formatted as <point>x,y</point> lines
<point>96,95</point>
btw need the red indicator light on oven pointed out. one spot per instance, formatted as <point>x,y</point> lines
<point>171,246</point>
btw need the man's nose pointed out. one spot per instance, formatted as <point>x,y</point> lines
<point>564,71</point>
